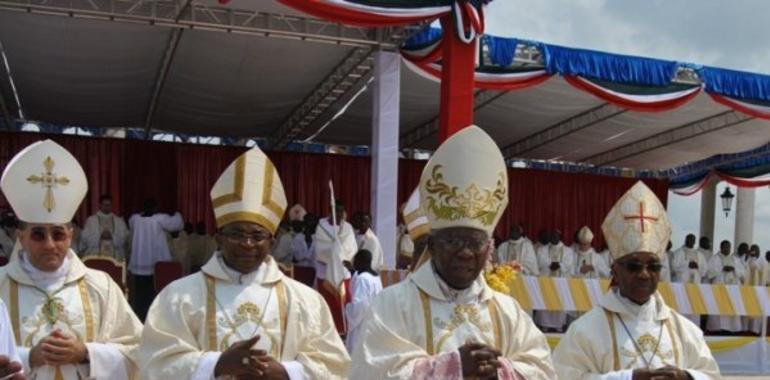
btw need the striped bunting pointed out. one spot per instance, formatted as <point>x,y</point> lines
<point>577,294</point>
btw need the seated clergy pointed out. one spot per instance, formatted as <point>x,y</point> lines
<point>444,321</point>
<point>240,316</point>
<point>632,334</point>
<point>69,321</point>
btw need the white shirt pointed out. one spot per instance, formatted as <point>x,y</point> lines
<point>148,241</point>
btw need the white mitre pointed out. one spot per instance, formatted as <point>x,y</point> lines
<point>465,183</point>
<point>416,222</point>
<point>44,184</point>
<point>249,190</point>
<point>585,235</point>
<point>637,223</point>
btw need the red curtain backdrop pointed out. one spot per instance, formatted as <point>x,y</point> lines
<point>180,177</point>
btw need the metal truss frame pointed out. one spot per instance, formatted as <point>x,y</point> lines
<point>562,129</point>
<point>189,14</point>
<point>431,127</point>
<point>697,128</point>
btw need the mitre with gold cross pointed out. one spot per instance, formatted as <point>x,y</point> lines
<point>249,190</point>
<point>44,184</point>
<point>465,183</point>
<point>637,223</point>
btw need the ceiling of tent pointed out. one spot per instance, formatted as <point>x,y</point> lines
<point>94,73</point>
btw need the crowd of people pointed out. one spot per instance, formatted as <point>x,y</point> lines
<point>240,316</point>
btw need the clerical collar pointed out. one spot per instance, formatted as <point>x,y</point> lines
<point>519,240</point>
<point>469,295</point>
<point>645,312</point>
<point>46,280</point>
<point>103,215</point>
<point>257,275</point>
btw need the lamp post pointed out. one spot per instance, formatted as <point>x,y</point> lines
<point>727,200</point>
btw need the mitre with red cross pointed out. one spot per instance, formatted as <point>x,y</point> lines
<point>44,184</point>
<point>637,223</point>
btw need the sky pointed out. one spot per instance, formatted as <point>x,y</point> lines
<point>718,33</point>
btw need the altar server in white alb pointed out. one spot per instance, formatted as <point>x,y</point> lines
<point>444,321</point>
<point>240,316</point>
<point>69,321</point>
<point>632,334</point>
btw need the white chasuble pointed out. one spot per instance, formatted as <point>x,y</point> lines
<point>86,305</point>
<point>418,321</point>
<point>617,336</point>
<point>197,317</point>
<point>250,309</point>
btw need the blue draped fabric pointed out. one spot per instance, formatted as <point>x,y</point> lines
<point>424,38</point>
<point>736,84</point>
<point>501,50</point>
<point>730,163</point>
<point>610,67</point>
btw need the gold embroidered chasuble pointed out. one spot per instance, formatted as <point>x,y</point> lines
<point>89,306</point>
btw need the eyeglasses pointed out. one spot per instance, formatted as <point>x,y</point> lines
<point>456,244</point>
<point>40,234</point>
<point>240,237</point>
<point>635,267</point>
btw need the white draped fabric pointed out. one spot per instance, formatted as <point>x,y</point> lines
<point>421,320</point>
<point>195,318</point>
<point>618,336</point>
<point>365,288</point>
<point>78,301</point>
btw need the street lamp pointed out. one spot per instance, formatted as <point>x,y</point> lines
<point>727,200</point>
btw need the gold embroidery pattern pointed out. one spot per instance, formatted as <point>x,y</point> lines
<point>50,313</point>
<point>246,313</point>
<point>462,314</point>
<point>49,180</point>
<point>648,344</point>
<point>448,203</point>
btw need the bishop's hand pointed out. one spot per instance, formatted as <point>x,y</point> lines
<point>586,268</point>
<point>693,265</point>
<point>273,369</point>
<point>728,269</point>
<point>670,373</point>
<point>58,349</point>
<point>479,361</point>
<point>241,361</point>
<point>555,266</point>
<point>10,370</point>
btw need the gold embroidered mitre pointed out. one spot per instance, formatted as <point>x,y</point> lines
<point>44,183</point>
<point>249,190</point>
<point>637,223</point>
<point>465,183</point>
<point>414,217</point>
<point>585,235</point>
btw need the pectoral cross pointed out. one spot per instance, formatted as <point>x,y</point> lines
<point>49,181</point>
<point>642,218</point>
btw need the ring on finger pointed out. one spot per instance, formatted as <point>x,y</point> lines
<point>245,361</point>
